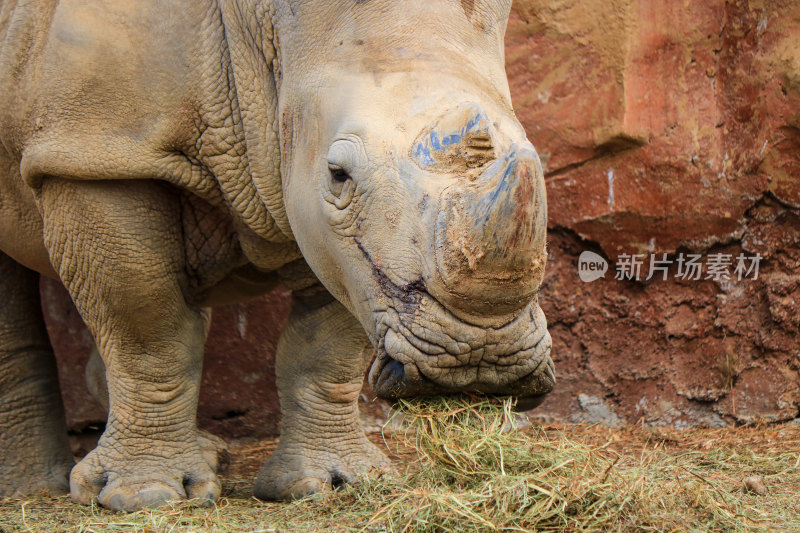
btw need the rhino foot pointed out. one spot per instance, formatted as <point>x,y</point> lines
<point>34,450</point>
<point>122,477</point>
<point>51,477</point>
<point>287,475</point>
<point>215,450</point>
<point>320,363</point>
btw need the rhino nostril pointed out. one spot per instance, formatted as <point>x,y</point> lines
<point>392,379</point>
<point>395,371</point>
<point>338,480</point>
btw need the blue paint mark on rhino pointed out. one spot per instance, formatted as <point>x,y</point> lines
<point>422,155</point>
<point>425,152</point>
<point>435,144</point>
<point>452,139</point>
<point>489,201</point>
<point>499,197</point>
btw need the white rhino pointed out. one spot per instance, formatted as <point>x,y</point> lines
<point>163,156</point>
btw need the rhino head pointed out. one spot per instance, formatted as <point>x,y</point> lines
<point>412,191</point>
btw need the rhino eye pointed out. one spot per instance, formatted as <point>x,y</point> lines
<point>344,157</point>
<point>339,175</point>
<point>339,179</point>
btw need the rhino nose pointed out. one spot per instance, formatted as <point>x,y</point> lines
<point>390,381</point>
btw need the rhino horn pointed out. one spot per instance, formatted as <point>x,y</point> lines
<point>491,234</point>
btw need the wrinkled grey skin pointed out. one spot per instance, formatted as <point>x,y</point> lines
<point>162,157</point>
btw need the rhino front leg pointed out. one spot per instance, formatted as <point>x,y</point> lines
<point>321,360</point>
<point>215,450</point>
<point>34,451</point>
<point>117,246</point>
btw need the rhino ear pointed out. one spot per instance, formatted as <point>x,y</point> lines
<point>493,11</point>
<point>501,8</point>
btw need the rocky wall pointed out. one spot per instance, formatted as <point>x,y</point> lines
<point>666,127</point>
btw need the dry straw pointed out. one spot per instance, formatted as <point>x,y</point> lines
<point>476,472</point>
<point>472,470</point>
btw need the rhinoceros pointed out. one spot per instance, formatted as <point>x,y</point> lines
<point>160,157</point>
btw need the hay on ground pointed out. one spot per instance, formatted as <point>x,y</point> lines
<point>473,470</point>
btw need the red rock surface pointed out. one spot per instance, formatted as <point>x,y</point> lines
<point>665,127</point>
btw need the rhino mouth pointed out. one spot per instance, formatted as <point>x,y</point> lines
<point>425,350</point>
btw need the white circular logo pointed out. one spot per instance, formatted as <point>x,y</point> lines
<point>591,266</point>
